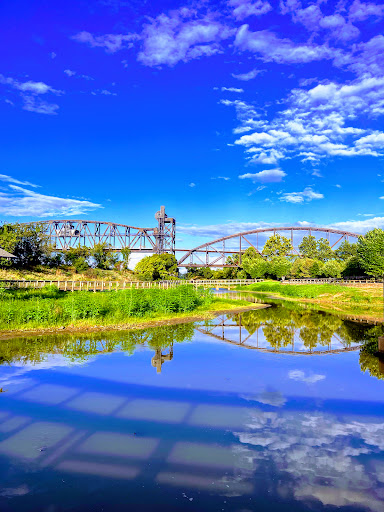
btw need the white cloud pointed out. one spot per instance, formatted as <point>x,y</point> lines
<point>324,121</point>
<point>225,178</point>
<point>33,104</point>
<point>245,8</point>
<point>266,176</point>
<point>232,89</point>
<point>9,179</point>
<point>21,202</point>
<point>270,48</point>
<point>182,35</point>
<point>53,55</point>
<point>360,11</point>
<point>360,226</point>
<point>302,377</point>
<point>250,75</point>
<point>29,92</point>
<point>192,185</point>
<point>300,197</point>
<point>110,42</point>
<point>70,72</point>
<point>218,230</point>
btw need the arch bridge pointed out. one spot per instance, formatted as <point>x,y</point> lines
<point>226,251</point>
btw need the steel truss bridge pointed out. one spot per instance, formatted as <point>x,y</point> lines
<point>68,233</point>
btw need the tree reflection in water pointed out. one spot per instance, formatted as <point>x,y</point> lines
<point>286,327</point>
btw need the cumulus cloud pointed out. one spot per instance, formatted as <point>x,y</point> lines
<point>268,47</point>
<point>306,195</point>
<point>219,230</point>
<point>182,35</point>
<point>266,176</point>
<point>110,42</point>
<point>250,75</point>
<point>301,376</point>
<point>360,226</point>
<point>29,92</point>
<point>319,122</point>
<point>19,202</point>
<point>245,8</point>
<point>232,89</point>
<point>70,73</point>
<point>360,11</point>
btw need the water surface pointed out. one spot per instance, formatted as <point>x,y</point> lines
<point>275,409</point>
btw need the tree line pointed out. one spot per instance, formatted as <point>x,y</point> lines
<point>315,258</point>
<point>278,259</point>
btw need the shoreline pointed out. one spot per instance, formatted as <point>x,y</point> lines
<point>325,306</point>
<point>136,324</point>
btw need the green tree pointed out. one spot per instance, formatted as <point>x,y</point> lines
<point>254,264</point>
<point>157,267</point>
<point>280,267</point>
<point>277,245</point>
<point>105,258</point>
<point>126,254</point>
<point>370,252</point>
<point>308,247</point>
<point>306,267</point>
<point>333,268</point>
<point>28,242</point>
<point>324,251</point>
<point>353,268</point>
<point>346,250</point>
<point>78,257</point>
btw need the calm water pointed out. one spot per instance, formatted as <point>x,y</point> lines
<point>275,409</point>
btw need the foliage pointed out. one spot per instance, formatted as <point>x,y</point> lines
<point>78,257</point>
<point>104,257</point>
<point>279,267</point>
<point>370,252</point>
<point>352,267</point>
<point>324,251</point>
<point>346,250</point>
<point>126,254</point>
<point>28,242</point>
<point>308,247</point>
<point>254,264</point>
<point>157,267</point>
<point>333,268</point>
<point>306,268</point>
<point>277,245</point>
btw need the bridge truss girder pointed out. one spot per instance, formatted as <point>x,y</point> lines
<point>215,253</point>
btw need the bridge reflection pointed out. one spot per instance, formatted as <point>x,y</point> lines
<point>269,338</point>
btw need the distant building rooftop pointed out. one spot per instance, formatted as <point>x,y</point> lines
<point>5,254</point>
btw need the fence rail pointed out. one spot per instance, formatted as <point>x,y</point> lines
<point>122,285</point>
<point>211,283</point>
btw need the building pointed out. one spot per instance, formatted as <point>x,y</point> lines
<point>6,255</point>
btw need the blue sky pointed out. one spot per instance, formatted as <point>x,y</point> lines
<point>233,114</point>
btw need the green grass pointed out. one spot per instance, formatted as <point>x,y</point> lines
<point>309,291</point>
<point>49,307</point>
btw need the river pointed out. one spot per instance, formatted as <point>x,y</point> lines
<point>276,409</point>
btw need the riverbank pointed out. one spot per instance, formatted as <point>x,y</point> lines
<point>50,310</point>
<point>365,302</point>
<point>65,273</point>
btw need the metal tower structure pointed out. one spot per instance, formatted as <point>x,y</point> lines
<point>165,233</point>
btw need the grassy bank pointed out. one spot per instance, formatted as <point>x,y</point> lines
<point>29,309</point>
<point>365,301</point>
<point>65,274</point>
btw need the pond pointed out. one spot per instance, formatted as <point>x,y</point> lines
<point>274,409</point>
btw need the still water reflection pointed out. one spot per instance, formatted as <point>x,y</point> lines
<point>230,414</point>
